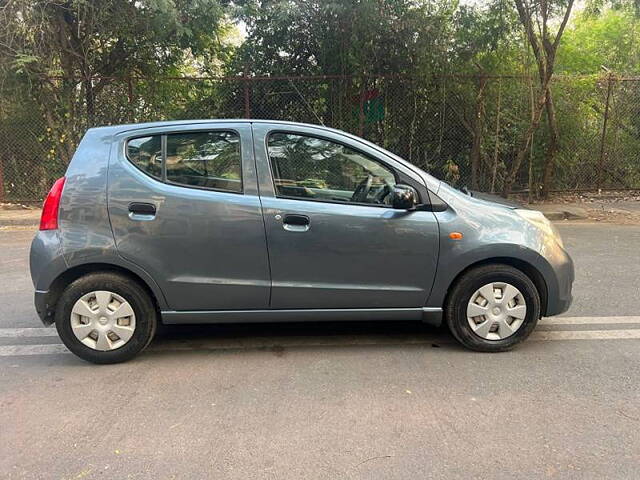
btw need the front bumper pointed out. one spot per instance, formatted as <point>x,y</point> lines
<point>559,296</point>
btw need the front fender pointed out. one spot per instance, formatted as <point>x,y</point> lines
<point>449,270</point>
<point>493,232</point>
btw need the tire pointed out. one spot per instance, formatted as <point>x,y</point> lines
<point>143,322</point>
<point>460,298</point>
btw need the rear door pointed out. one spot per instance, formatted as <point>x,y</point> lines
<point>334,241</point>
<point>184,206</point>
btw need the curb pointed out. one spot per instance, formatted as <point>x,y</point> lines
<point>561,213</point>
<point>564,215</point>
<point>554,216</point>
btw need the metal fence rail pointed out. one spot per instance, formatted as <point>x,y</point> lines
<point>465,129</point>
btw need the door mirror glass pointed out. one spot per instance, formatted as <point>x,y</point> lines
<point>404,197</point>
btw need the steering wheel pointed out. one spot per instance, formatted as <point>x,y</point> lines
<point>362,190</point>
<point>382,195</point>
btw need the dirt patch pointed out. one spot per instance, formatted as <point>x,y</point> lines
<point>619,217</point>
<point>14,215</point>
<point>18,206</point>
<point>619,207</point>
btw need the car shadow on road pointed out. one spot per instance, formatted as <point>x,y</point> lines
<point>277,337</point>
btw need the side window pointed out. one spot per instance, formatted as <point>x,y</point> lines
<point>146,154</point>
<point>205,159</point>
<point>317,169</point>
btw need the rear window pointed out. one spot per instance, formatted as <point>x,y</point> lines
<point>146,154</point>
<point>205,159</point>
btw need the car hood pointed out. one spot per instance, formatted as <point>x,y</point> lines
<point>489,197</point>
<point>447,192</point>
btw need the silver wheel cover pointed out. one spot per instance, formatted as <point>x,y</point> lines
<point>103,320</point>
<point>496,311</point>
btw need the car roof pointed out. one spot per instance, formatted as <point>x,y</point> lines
<point>172,123</point>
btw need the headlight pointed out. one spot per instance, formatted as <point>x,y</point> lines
<point>536,218</point>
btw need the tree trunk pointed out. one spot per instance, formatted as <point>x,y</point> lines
<point>552,148</point>
<point>1,180</point>
<point>90,102</point>
<point>544,49</point>
<point>526,142</point>
<point>478,127</point>
<point>361,118</point>
<point>494,167</point>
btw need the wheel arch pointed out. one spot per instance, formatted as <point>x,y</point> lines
<point>525,267</point>
<point>65,278</point>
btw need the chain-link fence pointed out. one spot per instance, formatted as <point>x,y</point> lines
<point>466,130</point>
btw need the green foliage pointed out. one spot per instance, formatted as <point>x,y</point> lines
<point>610,39</point>
<point>396,63</point>
<point>297,37</point>
<point>486,37</point>
<point>110,37</point>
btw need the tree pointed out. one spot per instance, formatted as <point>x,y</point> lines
<point>68,51</point>
<point>350,37</point>
<point>536,18</point>
<point>483,41</point>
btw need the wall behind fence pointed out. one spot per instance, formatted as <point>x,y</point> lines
<point>463,129</point>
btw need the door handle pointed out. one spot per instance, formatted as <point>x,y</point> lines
<point>142,211</point>
<point>296,223</point>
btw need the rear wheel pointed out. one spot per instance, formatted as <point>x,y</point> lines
<point>493,308</point>
<point>105,318</point>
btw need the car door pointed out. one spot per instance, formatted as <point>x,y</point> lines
<point>332,244</point>
<point>184,206</point>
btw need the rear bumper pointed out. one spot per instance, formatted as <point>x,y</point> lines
<point>44,310</point>
<point>46,262</point>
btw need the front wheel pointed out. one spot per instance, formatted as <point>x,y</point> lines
<point>105,318</point>
<point>492,308</point>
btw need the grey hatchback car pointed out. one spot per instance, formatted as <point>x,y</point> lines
<point>215,221</point>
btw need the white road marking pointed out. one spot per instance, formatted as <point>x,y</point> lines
<point>28,332</point>
<point>337,340</point>
<point>586,335</point>
<point>15,350</point>
<point>589,320</point>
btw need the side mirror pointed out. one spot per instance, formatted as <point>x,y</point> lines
<point>404,197</point>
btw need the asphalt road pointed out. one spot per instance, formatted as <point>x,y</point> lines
<point>381,400</point>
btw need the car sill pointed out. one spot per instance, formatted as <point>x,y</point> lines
<point>428,315</point>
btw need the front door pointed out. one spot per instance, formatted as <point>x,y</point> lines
<point>183,205</point>
<point>334,241</point>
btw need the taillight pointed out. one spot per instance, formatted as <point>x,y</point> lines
<point>49,218</point>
